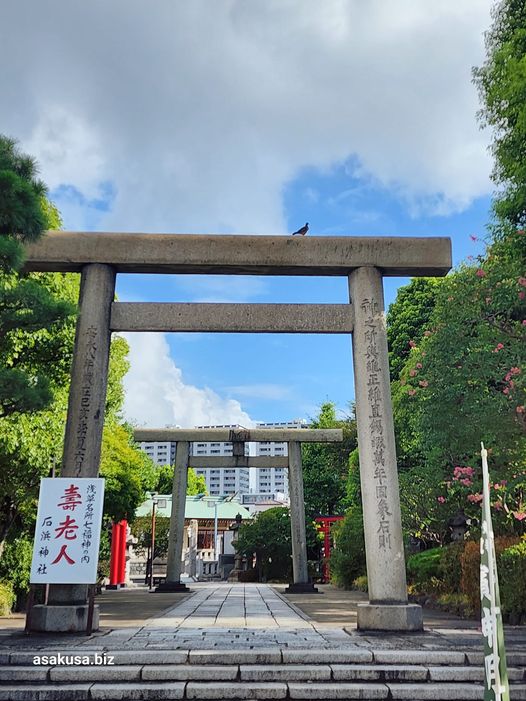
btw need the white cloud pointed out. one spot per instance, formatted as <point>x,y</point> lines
<point>199,113</point>
<point>157,396</point>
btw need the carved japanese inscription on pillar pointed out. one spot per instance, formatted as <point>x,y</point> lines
<point>88,362</point>
<point>371,310</point>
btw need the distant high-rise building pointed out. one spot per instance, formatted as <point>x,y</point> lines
<point>160,453</point>
<point>222,480</point>
<point>274,479</point>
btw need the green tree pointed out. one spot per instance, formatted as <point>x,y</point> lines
<point>408,318</point>
<point>326,465</point>
<point>348,555</point>
<point>501,82</point>
<point>268,537</point>
<point>165,474</point>
<point>128,472</point>
<point>30,314</point>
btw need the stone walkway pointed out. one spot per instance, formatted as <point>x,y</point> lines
<point>238,616</point>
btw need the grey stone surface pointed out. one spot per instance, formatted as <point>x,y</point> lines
<point>23,673</point>
<point>284,672</point>
<point>272,255</point>
<point>297,515</point>
<point>378,473</point>
<point>337,691</point>
<point>92,340</point>
<point>157,657</point>
<point>132,692</point>
<point>234,318</point>
<point>449,673</point>
<point>48,692</point>
<point>187,672</point>
<point>437,692</point>
<point>62,619</point>
<point>176,534</point>
<point>308,435</point>
<point>379,673</point>
<point>389,617</point>
<point>239,690</point>
<point>314,656</point>
<point>419,657</point>
<point>95,673</point>
<point>517,658</point>
<point>242,656</point>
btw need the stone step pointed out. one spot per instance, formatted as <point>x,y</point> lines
<point>266,656</point>
<point>248,673</point>
<point>222,691</point>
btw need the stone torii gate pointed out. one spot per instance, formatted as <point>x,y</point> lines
<point>363,260</point>
<point>238,437</point>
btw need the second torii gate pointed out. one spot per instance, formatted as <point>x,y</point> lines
<point>238,437</point>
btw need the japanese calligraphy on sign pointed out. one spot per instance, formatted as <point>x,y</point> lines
<point>88,361</point>
<point>371,311</point>
<point>67,533</point>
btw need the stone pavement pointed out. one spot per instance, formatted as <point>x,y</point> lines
<point>250,617</point>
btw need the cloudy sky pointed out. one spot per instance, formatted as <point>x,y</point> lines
<point>229,116</point>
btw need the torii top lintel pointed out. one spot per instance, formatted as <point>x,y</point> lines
<point>65,251</point>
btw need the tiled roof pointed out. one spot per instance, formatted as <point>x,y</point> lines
<point>197,507</point>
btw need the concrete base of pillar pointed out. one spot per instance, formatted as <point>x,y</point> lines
<point>396,617</point>
<point>47,618</point>
<point>112,586</point>
<point>171,587</point>
<point>296,588</point>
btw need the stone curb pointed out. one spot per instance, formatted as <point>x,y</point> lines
<point>195,690</point>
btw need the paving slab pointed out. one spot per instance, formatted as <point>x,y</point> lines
<point>190,672</point>
<point>239,690</point>
<point>221,657</point>
<point>49,692</point>
<point>285,672</point>
<point>437,692</point>
<point>337,691</point>
<point>130,692</point>
<point>379,673</point>
<point>95,673</point>
<point>23,673</point>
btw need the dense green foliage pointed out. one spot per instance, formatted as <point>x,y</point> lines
<point>513,581</point>
<point>408,318</point>
<point>501,81</point>
<point>348,557</point>
<point>31,315</point>
<point>141,528</point>
<point>268,537</point>
<point>326,465</point>
<point>463,380</point>
<point>165,474</point>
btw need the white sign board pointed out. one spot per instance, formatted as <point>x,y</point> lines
<point>67,533</point>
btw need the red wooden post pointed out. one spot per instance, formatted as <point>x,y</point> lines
<point>121,572</point>
<point>115,548</point>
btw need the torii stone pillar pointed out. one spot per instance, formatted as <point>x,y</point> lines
<point>300,573</point>
<point>67,608</point>
<point>176,534</point>
<point>387,608</point>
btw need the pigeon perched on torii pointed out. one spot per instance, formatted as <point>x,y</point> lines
<point>302,231</point>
